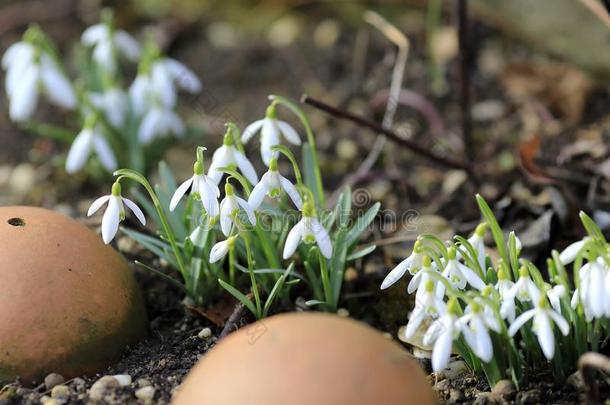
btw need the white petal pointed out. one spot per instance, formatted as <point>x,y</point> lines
<point>162,83</point>
<point>17,54</point>
<point>104,153</point>
<point>79,151</point>
<point>544,331</point>
<point>560,321</point>
<point>56,86</point>
<point>570,252</point>
<point>149,127</point>
<point>415,282</point>
<point>520,321</point>
<point>269,137</point>
<point>25,97</point>
<point>258,194</point>
<point>396,273</point>
<point>179,193</point>
<point>184,77</point>
<point>138,94</point>
<point>111,219</point>
<point>209,192</point>
<point>292,192</point>
<point>94,34</point>
<point>484,345</point>
<point>226,221</point>
<point>442,351</point>
<point>472,278</point>
<point>245,167</point>
<point>246,207</point>
<point>417,317</point>
<point>128,45</point>
<point>251,130</point>
<point>103,55</point>
<point>219,251</point>
<point>433,332</point>
<point>135,209</point>
<point>322,238</point>
<point>293,239</point>
<point>97,204</point>
<point>221,158</point>
<point>289,133</point>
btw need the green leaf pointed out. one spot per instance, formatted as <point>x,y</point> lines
<point>360,253</point>
<point>238,295</point>
<point>362,223</point>
<point>310,173</point>
<point>591,227</point>
<point>496,231</point>
<point>312,303</point>
<point>164,276</point>
<point>337,265</point>
<point>156,246</point>
<point>276,288</point>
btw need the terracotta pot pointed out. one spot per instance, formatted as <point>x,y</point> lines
<point>306,358</point>
<point>68,303</point>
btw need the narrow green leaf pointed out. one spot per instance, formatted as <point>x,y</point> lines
<point>361,224</point>
<point>360,253</point>
<point>238,295</point>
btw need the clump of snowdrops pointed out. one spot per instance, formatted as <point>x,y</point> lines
<point>253,236</point>
<point>505,318</point>
<point>112,123</point>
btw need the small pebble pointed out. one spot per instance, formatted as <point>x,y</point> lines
<point>146,394</point>
<point>454,370</point>
<point>575,380</point>
<point>51,401</point>
<point>143,382</point>
<point>456,395</point>
<point>101,387</point>
<point>123,379</point>
<point>23,179</point>
<point>503,388</point>
<point>205,333</point>
<point>343,313</point>
<point>52,380</point>
<point>61,392</point>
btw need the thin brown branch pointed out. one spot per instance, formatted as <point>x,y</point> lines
<point>363,122</point>
<point>588,364</point>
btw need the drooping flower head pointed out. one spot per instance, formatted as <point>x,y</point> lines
<point>309,230</point>
<point>271,184</point>
<point>270,129</point>
<point>229,156</point>
<point>411,264</point>
<point>90,139</point>
<point>230,208</point>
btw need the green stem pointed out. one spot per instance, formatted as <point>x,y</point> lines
<point>257,299</point>
<point>232,265</point>
<point>328,293</point>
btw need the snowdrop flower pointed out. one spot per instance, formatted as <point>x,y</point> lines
<point>427,305</point>
<point>542,327</point>
<point>202,188</point>
<point>166,73</point>
<point>423,275</point>
<point>593,283</point>
<point>568,255</point>
<point>309,230</point>
<point>411,264</point>
<point>220,249</point>
<point>107,42</point>
<point>159,122</point>
<point>270,128</point>
<point>113,103</point>
<point>271,184</point>
<point>442,332</point>
<point>230,207</point>
<point>115,212</point>
<point>478,243</point>
<point>228,155</point>
<point>524,289</point>
<point>504,286</point>
<point>90,139</point>
<point>476,324</point>
<point>25,79</point>
<point>459,274</point>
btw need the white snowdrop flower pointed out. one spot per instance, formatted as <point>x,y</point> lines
<point>169,72</point>
<point>555,294</point>
<point>142,95</point>
<point>477,241</point>
<point>107,42</point>
<point>114,103</point>
<point>593,293</point>
<point>202,188</point>
<point>524,290</point>
<point>442,332</point>
<point>412,264</point>
<point>542,327</point>
<point>423,275</point>
<point>159,122</point>
<point>24,82</point>
<point>427,305</point>
<point>230,208</point>
<point>459,275</point>
<point>568,255</point>
<point>115,213</point>
<point>309,230</point>
<point>504,286</point>
<point>220,249</point>
<point>90,140</point>
<point>271,184</point>
<point>476,324</point>
<point>228,155</point>
<point>271,128</point>
<point>15,60</point>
